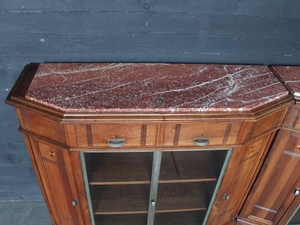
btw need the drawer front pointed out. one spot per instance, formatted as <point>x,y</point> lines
<point>218,133</point>
<point>132,134</point>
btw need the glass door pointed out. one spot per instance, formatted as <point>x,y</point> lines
<point>295,220</point>
<point>118,185</point>
<point>188,182</point>
<point>153,188</point>
<point>293,211</point>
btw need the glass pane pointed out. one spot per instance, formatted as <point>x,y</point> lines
<point>118,168</point>
<point>118,186</point>
<point>296,218</point>
<point>191,165</point>
<point>120,199</point>
<point>188,182</point>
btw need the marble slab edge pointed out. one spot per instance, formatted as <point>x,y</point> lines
<point>290,77</point>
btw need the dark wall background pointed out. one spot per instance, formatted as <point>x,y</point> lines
<point>192,31</point>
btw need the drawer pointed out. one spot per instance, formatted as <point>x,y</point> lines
<point>193,134</point>
<point>132,134</point>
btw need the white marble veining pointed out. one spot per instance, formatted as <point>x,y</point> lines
<point>142,87</point>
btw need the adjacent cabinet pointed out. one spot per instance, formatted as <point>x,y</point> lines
<point>159,144</point>
<point>274,198</point>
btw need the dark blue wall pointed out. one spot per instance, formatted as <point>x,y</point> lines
<point>199,31</point>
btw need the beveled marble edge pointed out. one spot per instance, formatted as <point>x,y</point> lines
<point>162,110</point>
<point>201,87</point>
<point>290,76</point>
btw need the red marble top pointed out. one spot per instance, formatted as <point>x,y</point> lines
<point>290,76</point>
<point>140,87</point>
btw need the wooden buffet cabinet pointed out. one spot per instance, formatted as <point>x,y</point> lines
<point>141,143</point>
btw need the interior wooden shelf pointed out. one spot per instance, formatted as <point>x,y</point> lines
<point>135,168</point>
<point>134,199</point>
<point>191,166</point>
<point>119,168</point>
<point>120,185</point>
<point>180,218</point>
<point>190,218</point>
<point>130,219</point>
<point>182,197</point>
<point>120,199</point>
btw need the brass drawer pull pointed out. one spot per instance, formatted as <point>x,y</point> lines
<point>201,141</point>
<point>116,142</point>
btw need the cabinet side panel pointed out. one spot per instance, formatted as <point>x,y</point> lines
<point>268,197</point>
<point>20,117</point>
<point>267,170</point>
<point>44,184</point>
<point>39,174</point>
<point>280,183</point>
<point>57,178</point>
<point>242,168</point>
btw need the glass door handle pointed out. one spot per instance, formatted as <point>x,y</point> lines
<point>153,203</point>
<point>75,202</point>
<point>297,192</point>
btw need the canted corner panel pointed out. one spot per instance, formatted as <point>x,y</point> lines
<point>59,182</point>
<point>276,181</point>
<point>91,135</point>
<point>243,158</point>
<point>220,133</point>
<point>247,159</point>
<point>266,124</point>
<point>42,127</point>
